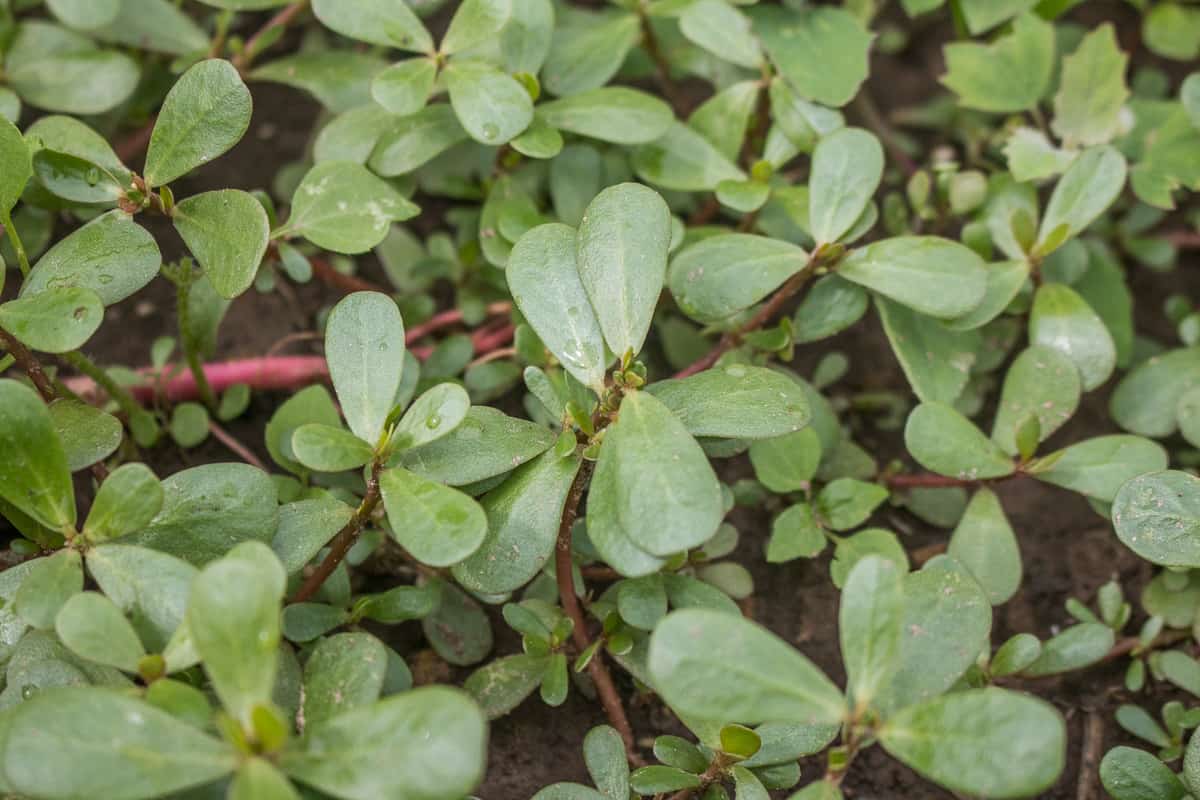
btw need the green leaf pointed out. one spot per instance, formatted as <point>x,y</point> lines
<point>121,748</point>
<point>1131,774</point>
<point>1088,187</point>
<point>947,623</point>
<point>723,119</point>
<point>59,70</point>
<point>937,361</point>
<point>305,527</point>
<point>126,502</point>
<point>1146,399</point>
<point>1032,156</point>
<point>492,106</point>
<point>929,274</point>
<point>1015,655</point>
<point>111,255</point>
<point>1172,30</point>
<point>258,779</point>
<point>545,284</point>
<point>943,440</point>
<point>847,167</point>
<point>487,443</point>
<point>584,55</point>
<point>501,685</point>
<point>1091,90</point>
<point>435,414</point>
<point>869,620</point>
<point>339,79</point>
<point>475,22</point>
<point>209,509</point>
<point>722,30</point>
<point>353,135</point>
<point>395,748</point>
<point>344,672</point>
<point>34,475</point>
<point>1180,669</point>
<point>787,463</point>
<point>735,402</point>
<point>56,320</point>
<point>390,23</point>
<point>621,253</point>
<point>94,628</point>
<point>659,779</point>
<point>795,533</point>
<point>204,115</point>
<point>16,166</point>
<point>244,5</point>
<point>523,515</point>
<point>604,755</point>
<point>233,617</point>
<point>156,25</point>
<point>1010,74</point>
<point>1041,382</point>
<point>644,118</point>
<point>685,161</point>
<point>84,14</point>
<point>846,503</point>
<point>149,587</point>
<point>983,15</point>
<point>1157,516</point>
<point>821,51</point>
<point>227,231</point>
<point>458,629</point>
<point>1075,648</point>
<point>662,474</point>
<point>539,140</point>
<point>404,87</point>
<point>1004,280</point>
<point>88,434</point>
<point>969,741</point>
<point>1098,467</point>
<point>51,582</point>
<point>526,36</point>
<point>364,345</point>
<point>77,179</point>
<point>829,307</point>
<point>325,448</point>
<point>341,206</point>
<point>984,543</point>
<point>727,273</point>
<point>710,664</point>
<point>439,525</point>
<point>309,405</point>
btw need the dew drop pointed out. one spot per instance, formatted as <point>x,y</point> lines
<point>490,131</point>
<point>432,421</point>
<point>93,176</point>
<point>28,691</point>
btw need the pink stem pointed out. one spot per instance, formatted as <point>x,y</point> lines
<point>271,373</point>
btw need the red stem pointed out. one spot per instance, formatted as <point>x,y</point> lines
<point>281,20</point>
<point>564,573</point>
<point>271,373</point>
<point>772,307</point>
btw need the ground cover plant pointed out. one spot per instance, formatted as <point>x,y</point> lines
<point>584,401</point>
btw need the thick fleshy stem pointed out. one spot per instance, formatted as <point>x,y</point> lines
<point>340,545</point>
<point>243,60</point>
<point>765,314</point>
<point>29,364</point>
<point>563,568</point>
<point>275,373</point>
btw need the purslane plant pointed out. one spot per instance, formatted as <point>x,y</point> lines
<point>631,269</point>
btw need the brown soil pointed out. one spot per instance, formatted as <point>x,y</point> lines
<point>1068,551</point>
